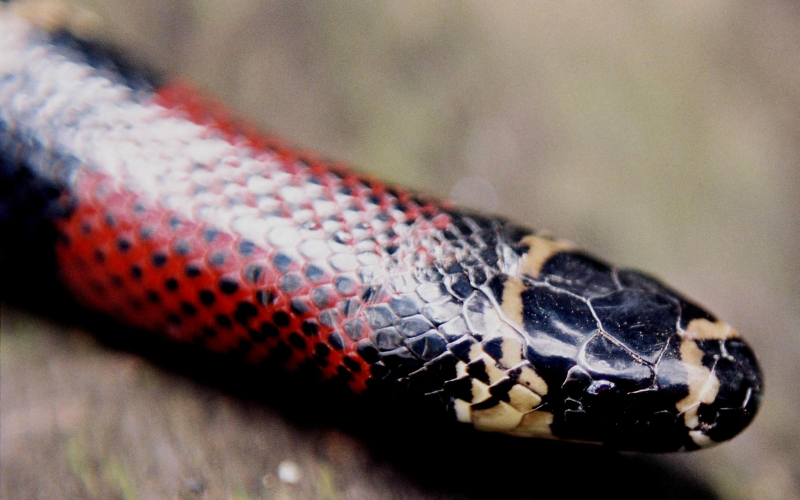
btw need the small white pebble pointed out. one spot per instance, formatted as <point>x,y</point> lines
<point>289,472</point>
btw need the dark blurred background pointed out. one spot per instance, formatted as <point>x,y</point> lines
<point>660,135</point>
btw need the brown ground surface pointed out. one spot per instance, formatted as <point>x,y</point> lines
<point>664,136</point>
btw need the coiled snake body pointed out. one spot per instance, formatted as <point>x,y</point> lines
<point>170,217</point>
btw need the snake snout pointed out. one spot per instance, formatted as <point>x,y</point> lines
<point>734,392</point>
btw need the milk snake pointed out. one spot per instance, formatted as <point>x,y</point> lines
<point>169,216</point>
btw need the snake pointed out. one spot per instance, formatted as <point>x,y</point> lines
<point>163,211</point>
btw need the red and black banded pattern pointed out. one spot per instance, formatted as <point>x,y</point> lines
<point>169,216</point>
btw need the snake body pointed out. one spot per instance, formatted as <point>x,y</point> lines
<point>169,216</point>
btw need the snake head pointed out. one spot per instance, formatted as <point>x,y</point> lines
<point>565,346</point>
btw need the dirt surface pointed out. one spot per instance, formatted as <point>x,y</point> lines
<point>662,136</point>
<point>141,419</point>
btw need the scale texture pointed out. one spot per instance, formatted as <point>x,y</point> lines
<point>167,215</point>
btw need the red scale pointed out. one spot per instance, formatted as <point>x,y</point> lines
<point>144,280</point>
